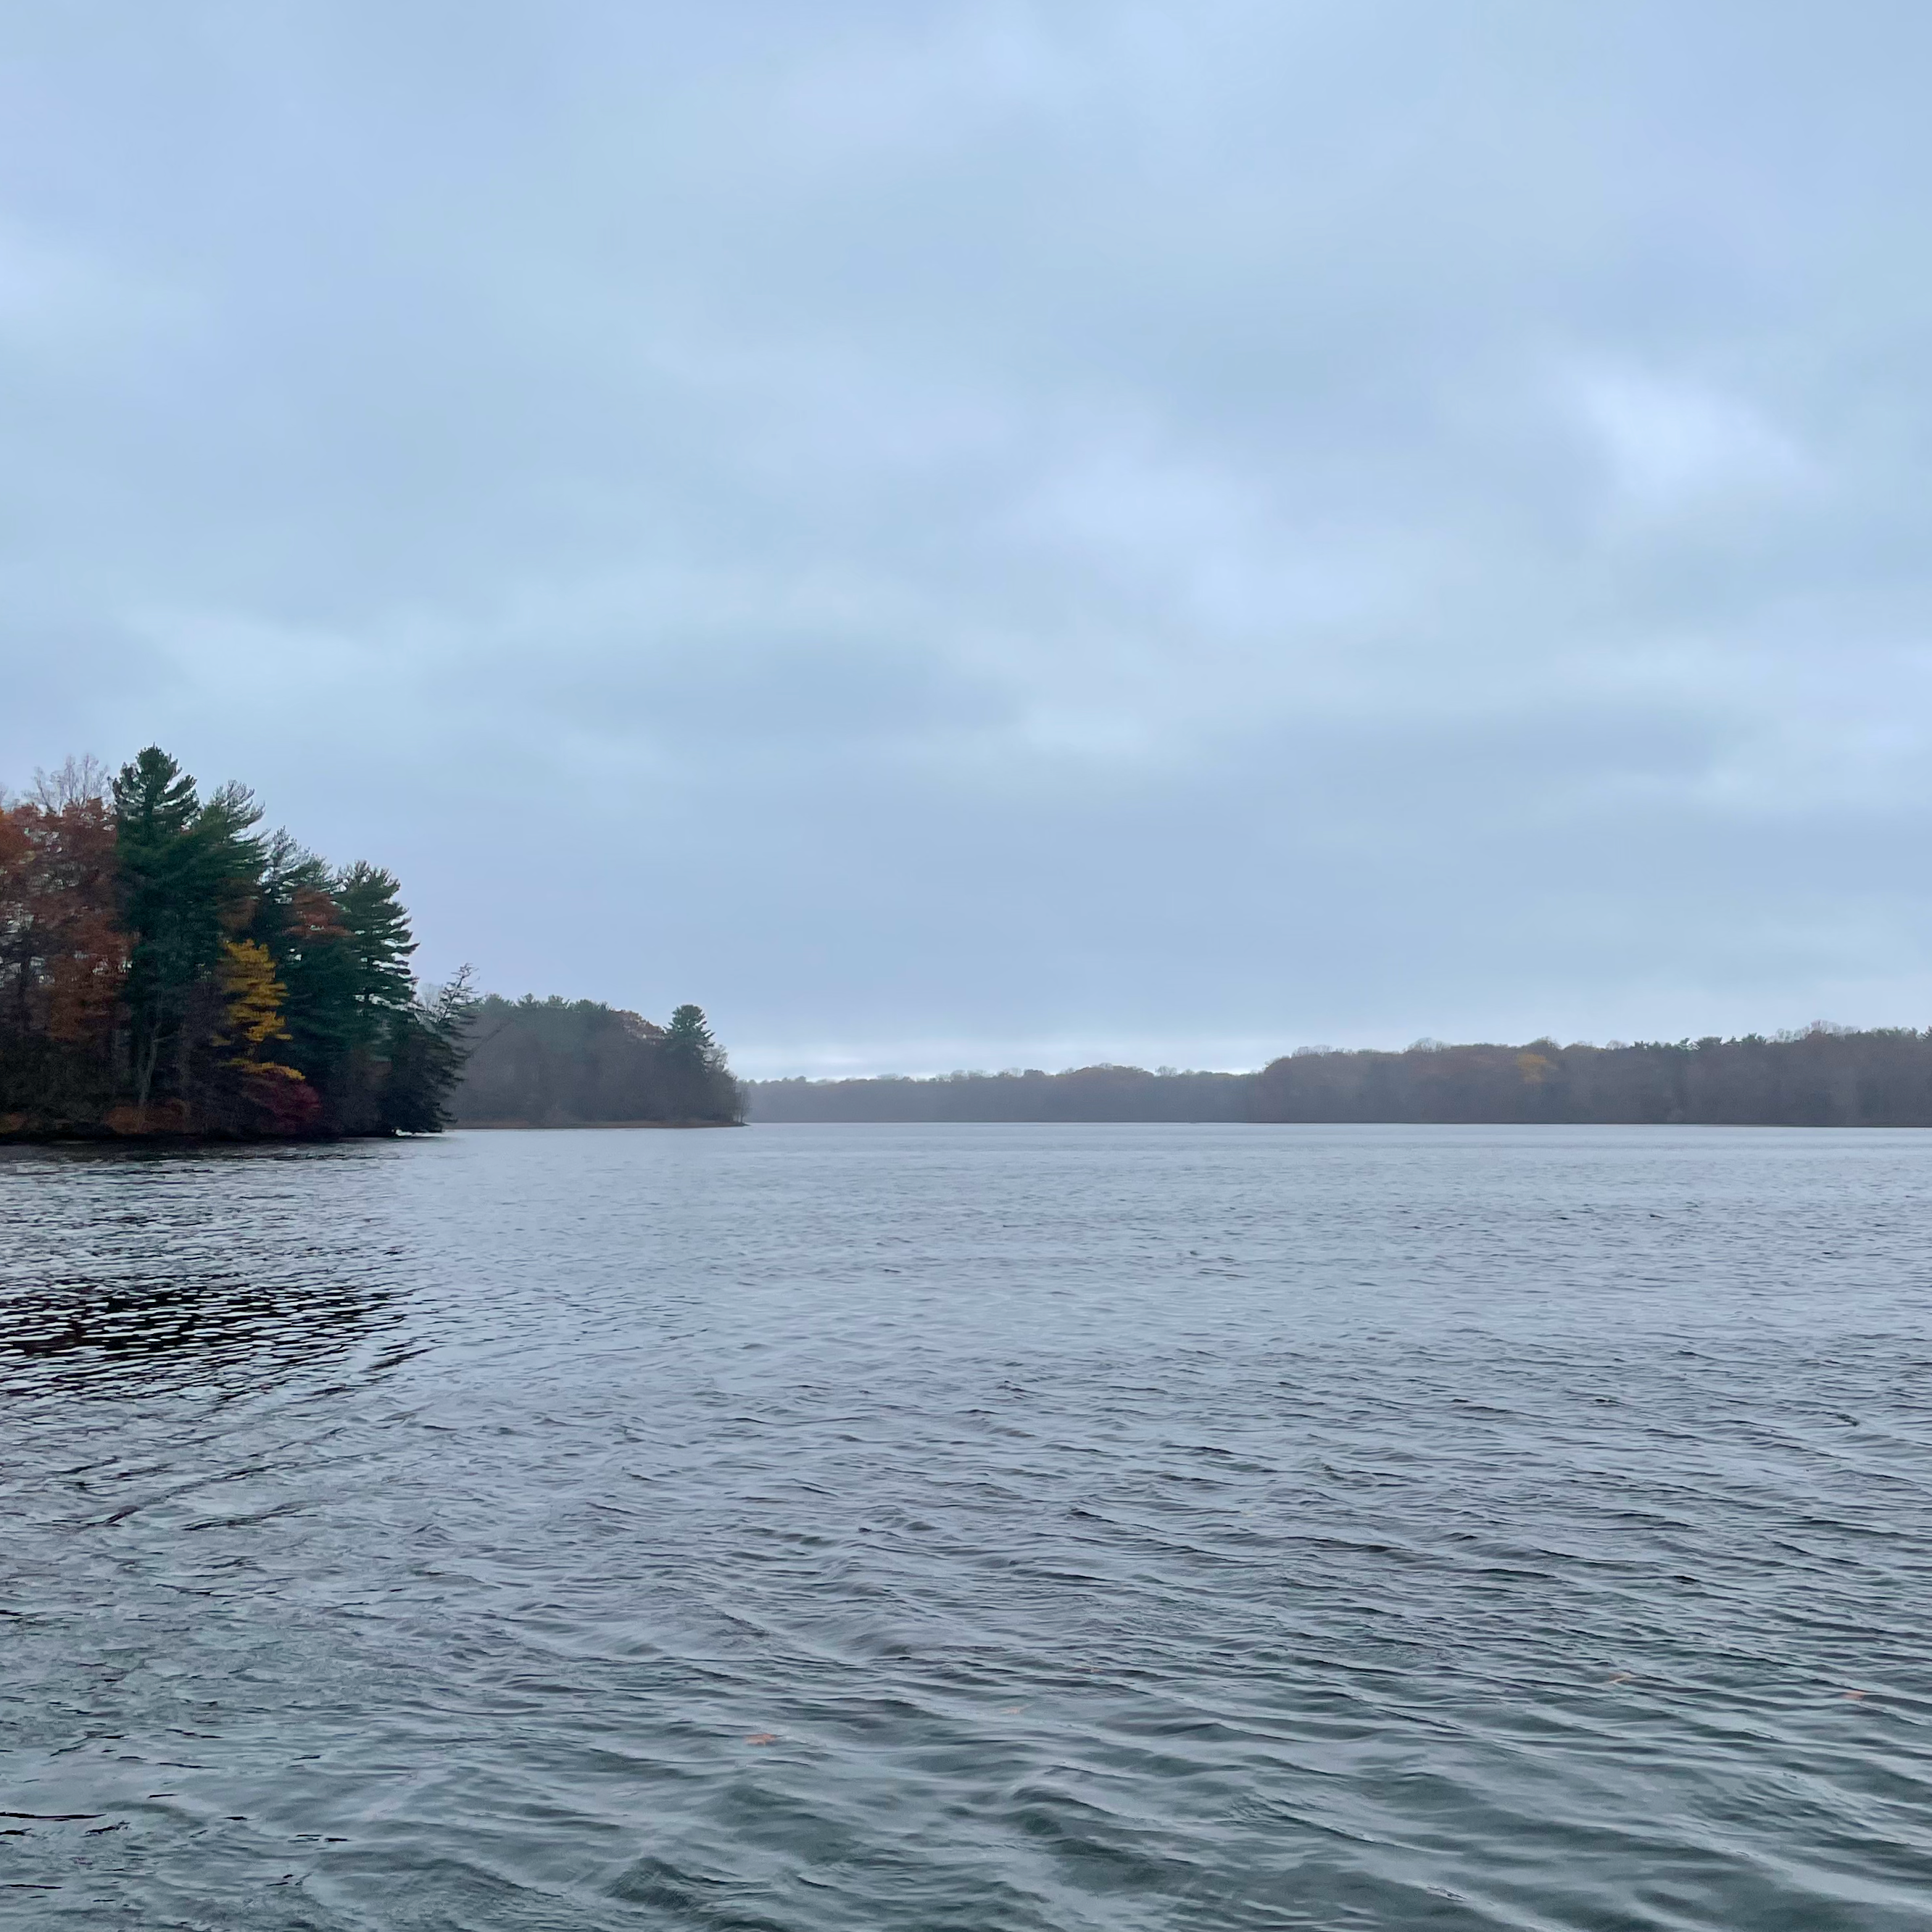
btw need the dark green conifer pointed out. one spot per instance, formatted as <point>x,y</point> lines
<point>186,871</point>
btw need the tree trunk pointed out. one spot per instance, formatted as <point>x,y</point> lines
<point>145,1059</point>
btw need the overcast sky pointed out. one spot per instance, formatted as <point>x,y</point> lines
<point>989,534</point>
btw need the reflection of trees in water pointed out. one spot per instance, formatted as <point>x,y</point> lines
<point>127,1276</point>
<point>138,1337</point>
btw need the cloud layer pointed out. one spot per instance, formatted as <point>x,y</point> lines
<point>973,535</point>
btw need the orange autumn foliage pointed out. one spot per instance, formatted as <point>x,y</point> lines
<point>314,916</point>
<point>63,956</point>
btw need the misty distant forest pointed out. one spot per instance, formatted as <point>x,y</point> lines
<point>1824,1076</point>
<point>1084,1094</point>
<point>166,968</point>
<point>577,1062</point>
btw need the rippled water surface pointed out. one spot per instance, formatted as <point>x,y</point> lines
<point>970,1527</point>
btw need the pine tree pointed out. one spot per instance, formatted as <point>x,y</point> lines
<point>427,1047</point>
<point>380,941</point>
<point>699,1081</point>
<point>187,872</point>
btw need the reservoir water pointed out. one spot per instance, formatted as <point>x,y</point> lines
<point>987,1528</point>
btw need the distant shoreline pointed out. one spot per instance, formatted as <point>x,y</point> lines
<point>571,1126</point>
<point>1824,1076</point>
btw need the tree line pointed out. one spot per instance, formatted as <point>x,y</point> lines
<point>1105,1092</point>
<point>167,967</point>
<point>1822,1076</point>
<point>578,1063</point>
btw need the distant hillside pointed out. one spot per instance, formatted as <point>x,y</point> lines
<point>577,1063</point>
<point>1084,1094</point>
<point>1823,1077</point>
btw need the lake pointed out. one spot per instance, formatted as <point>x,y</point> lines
<point>970,1527</point>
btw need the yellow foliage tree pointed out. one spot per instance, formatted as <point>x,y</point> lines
<point>252,1006</point>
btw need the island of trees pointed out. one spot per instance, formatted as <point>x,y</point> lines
<point>1823,1076</point>
<point>167,968</point>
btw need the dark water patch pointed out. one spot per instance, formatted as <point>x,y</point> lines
<point>131,1272</point>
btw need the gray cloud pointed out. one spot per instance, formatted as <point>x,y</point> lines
<point>960,534</point>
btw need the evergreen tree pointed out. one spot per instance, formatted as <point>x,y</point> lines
<point>186,871</point>
<point>688,1040</point>
<point>427,1046</point>
<point>699,1081</point>
<point>380,943</point>
<point>297,918</point>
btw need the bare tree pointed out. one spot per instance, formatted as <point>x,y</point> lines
<point>79,780</point>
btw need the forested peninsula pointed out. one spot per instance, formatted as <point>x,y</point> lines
<point>558,1063</point>
<point>168,969</point>
<point>1824,1076</point>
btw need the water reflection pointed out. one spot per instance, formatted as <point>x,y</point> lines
<point>102,1333</point>
<point>125,1271</point>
